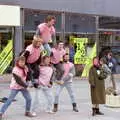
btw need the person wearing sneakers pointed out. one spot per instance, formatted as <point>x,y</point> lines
<point>56,59</point>
<point>18,84</point>
<point>33,54</point>
<point>47,31</point>
<point>67,78</point>
<point>45,84</point>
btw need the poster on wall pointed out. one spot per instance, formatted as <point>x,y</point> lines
<point>80,55</point>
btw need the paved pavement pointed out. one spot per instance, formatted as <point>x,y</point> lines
<point>81,88</point>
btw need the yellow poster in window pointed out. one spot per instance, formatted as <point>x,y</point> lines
<point>80,55</point>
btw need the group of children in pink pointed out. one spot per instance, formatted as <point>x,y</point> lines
<point>42,70</point>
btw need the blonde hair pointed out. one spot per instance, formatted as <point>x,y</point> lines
<point>20,58</point>
<point>36,39</point>
<point>49,18</point>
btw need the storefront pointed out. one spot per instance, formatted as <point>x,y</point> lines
<point>97,21</point>
<point>9,18</point>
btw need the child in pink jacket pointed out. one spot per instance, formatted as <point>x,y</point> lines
<point>18,84</point>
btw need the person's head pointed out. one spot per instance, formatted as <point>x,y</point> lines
<point>109,55</point>
<point>103,61</point>
<point>96,61</point>
<point>66,57</point>
<point>60,45</point>
<point>20,61</point>
<point>46,60</point>
<point>37,41</point>
<point>50,20</point>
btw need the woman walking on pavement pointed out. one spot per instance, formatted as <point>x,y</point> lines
<point>97,86</point>
<point>18,84</point>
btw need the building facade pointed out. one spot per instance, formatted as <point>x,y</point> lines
<point>80,17</point>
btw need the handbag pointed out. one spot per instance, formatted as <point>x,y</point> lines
<point>112,101</point>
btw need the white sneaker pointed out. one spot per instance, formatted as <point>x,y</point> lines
<point>34,114</point>
<point>50,111</point>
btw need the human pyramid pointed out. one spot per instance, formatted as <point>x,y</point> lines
<point>41,65</point>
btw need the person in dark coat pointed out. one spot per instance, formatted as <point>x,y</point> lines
<point>97,86</point>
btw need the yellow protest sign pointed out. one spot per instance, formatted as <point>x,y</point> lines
<point>5,51</point>
<point>85,72</point>
<point>80,55</point>
<point>6,62</point>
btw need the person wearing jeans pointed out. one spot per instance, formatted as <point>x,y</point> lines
<point>13,94</point>
<point>47,48</point>
<point>45,84</point>
<point>47,31</point>
<point>48,95</point>
<point>67,83</point>
<point>18,84</point>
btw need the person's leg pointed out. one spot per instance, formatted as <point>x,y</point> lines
<point>93,109</point>
<point>113,82</point>
<point>35,104</point>
<point>9,101</point>
<point>47,48</point>
<point>49,96</point>
<point>98,111</point>
<point>57,93</point>
<point>72,96</point>
<point>28,99</point>
<point>30,74</point>
<point>36,71</point>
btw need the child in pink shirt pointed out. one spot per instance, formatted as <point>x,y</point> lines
<point>47,31</point>
<point>19,84</point>
<point>45,84</point>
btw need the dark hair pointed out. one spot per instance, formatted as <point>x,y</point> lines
<point>65,55</point>
<point>44,57</point>
<point>103,60</point>
<point>95,58</point>
<point>49,18</point>
<point>60,42</point>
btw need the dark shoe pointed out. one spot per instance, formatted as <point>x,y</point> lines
<point>55,108</point>
<point>29,114</point>
<point>75,107</point>
<point>93,111</point>
<point>0,116</point>
<point>98,112</point>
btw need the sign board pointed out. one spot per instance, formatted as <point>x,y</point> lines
<point>9,15</point>
<point>80,55</point>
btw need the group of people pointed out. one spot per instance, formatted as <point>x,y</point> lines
<point>41,65</point>
<point>101,79</point>
<point>42,69</point>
